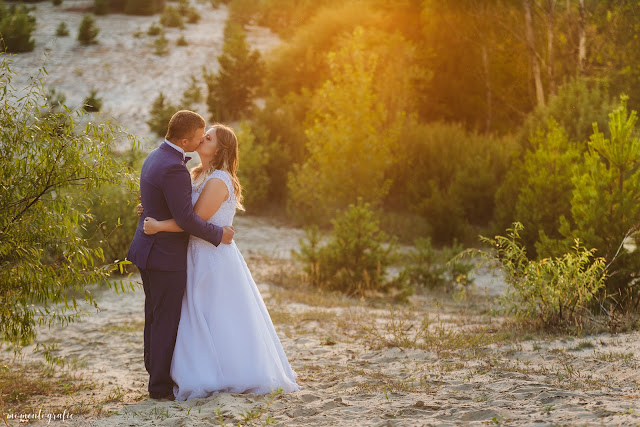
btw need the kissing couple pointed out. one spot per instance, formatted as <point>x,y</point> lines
<point>207,329</point>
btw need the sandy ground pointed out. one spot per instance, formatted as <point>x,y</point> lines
<point>122,68</point>
<point>360,362</point>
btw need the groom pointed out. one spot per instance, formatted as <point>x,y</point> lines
<point>165,189</point>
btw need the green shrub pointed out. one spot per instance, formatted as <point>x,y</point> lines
<point>143,7</point>
<point>355,258</point>
<point>101,7</point>
<point>87,32</point>
<point>161,112</point>
<point>112,209</point>
<point>92,103</point>
<point>192,95</point>
<point>605,205</point>
<point>171,17</point>
<point>192,16</point>
<point>429,268</point>
<point>16,28</point>
<point>181,41</point>
<point>252,172</point>
<point>46,262</point>
<point>56,2</point>
<point>55,100</point>
<point>554,291</point>
<point>161,45</point>
<point>154,29</point>
<point>62,30</point>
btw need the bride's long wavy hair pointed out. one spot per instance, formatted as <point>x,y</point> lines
<point>226,159</point>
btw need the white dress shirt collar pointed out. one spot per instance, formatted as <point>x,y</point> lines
<point>174,146</point>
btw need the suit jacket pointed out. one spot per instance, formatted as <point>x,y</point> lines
<point>165,189</point>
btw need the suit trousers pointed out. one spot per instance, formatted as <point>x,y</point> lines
<point>163,292</point>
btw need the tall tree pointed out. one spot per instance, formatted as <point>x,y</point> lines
<point>232,89</point>
<point>350,143</point>
<point>47,162</point>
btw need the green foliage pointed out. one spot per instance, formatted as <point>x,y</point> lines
<point>143,7</point>
<point>112,208</point>
<point>280,126</point>
<point>347,122</point>
<point>188,12</point>
<point>448,176</point>
<point>62,30</point>
<point>46,158</point>
<point>171,17</point>
<point>101,7</point>
<point>161,112</point>
<point>554,291</point>
<point>302,62</point>
<point>426,267</point>
<point>355,258</point>
<point>282,16</point>
<point>192,95</point>
<point>232,89</point>
<point>252,168</point>
<point>606,202</point>
<point>92,103</point>
<point>154,29</point>
<point>56,2</point>
<point>16,28</point>
<point>55,100</point>
<point>87,32</point>
<point>577,105</point>
<point>181,41</point>
<point>544,198</point>
<point>161,46</point>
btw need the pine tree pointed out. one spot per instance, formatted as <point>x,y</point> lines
<point>231,91</point>
<point>161,113</point>
<point>88,31</point>
<point>16,28</point>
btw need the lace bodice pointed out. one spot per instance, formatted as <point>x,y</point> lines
<point>226,212</point>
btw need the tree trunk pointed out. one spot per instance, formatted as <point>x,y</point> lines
<point>535,65</point>
<point>550,47</point>
<point>487,85</point>
<point>582,46</point>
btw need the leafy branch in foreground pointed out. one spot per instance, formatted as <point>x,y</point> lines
<point>49,164</point>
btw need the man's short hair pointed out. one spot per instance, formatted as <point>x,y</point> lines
<point>182,125</point>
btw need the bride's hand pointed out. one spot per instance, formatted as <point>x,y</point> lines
<point>150,226</point>
<point>139,209</point>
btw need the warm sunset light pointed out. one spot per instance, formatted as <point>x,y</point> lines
<point>319,212</point>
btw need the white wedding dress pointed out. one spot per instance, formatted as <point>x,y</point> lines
<point>226,341</point>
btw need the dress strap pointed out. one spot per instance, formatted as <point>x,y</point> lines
<point>226,178</point>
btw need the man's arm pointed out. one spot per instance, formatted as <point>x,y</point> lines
<point>177,192</point>
<point>213,194</point>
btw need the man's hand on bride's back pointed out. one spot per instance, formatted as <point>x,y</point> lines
<point>227,234</point>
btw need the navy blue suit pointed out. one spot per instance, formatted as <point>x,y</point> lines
<point>165,189</point>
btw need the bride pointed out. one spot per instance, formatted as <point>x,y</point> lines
<point>226,341</point>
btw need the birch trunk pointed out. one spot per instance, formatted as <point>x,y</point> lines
<point>535,65</point>
<point>582,46</point>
